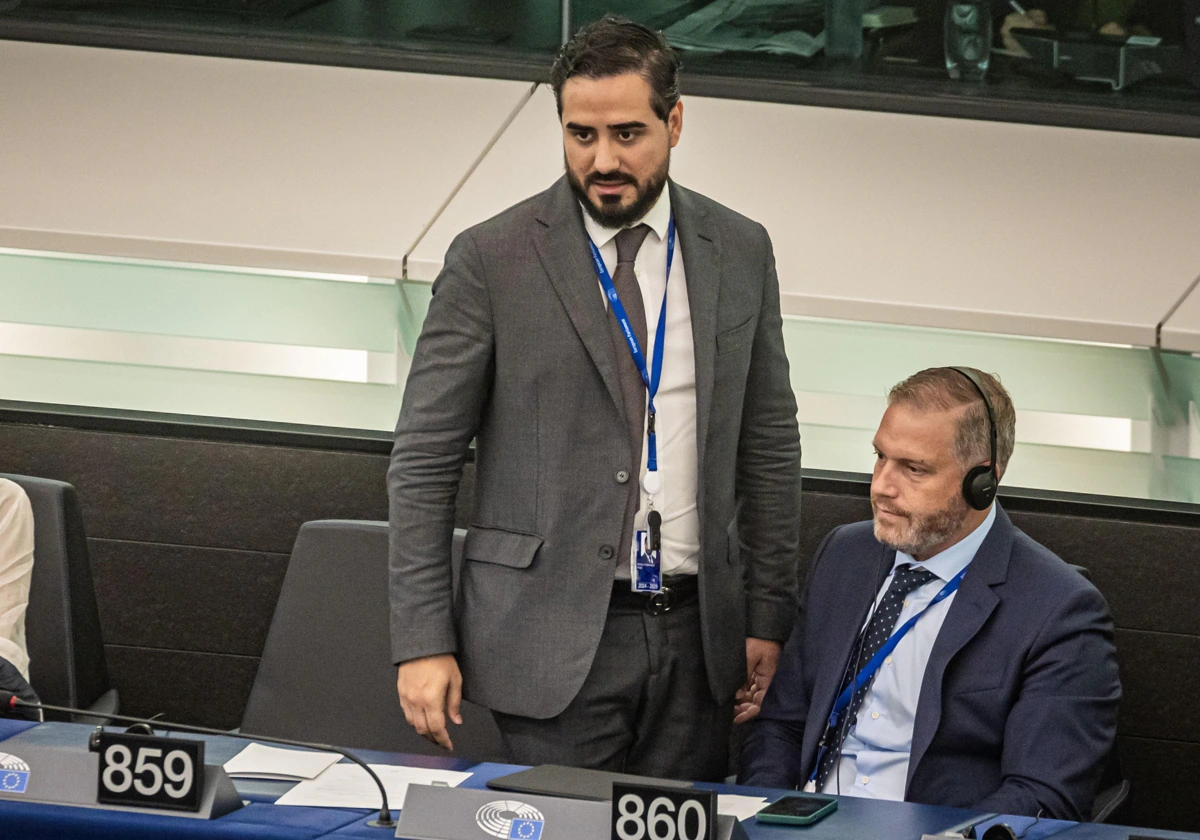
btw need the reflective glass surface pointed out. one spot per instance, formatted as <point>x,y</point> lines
<point>459,26</point>
<point>1127,64</point>
<point>1128,55</point>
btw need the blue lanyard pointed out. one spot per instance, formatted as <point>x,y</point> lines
<point>875,662</point>
<point>652,377</point>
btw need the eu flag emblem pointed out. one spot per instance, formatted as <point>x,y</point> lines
<point>526,829</point>
<point>14,781</point>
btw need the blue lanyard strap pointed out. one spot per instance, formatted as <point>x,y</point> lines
<point>654,375</point>
<point>875,662</point>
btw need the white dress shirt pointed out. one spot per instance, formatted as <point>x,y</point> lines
<point>675,403</point>
<point>16,568</point>
<point>875,754</point>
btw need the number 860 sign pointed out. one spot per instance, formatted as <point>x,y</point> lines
<point>644,812</point>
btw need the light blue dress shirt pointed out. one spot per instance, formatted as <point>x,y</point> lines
<point>874,762</point>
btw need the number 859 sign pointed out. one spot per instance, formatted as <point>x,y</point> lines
<point>644,812</point>
<point>146,771</point>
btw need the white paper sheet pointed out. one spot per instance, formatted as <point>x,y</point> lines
<point>258,761</point>
<point>736,805</point>
<point>349,786</point>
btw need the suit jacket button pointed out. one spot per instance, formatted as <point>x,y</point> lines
<point>622,476</point>
<point>606,552</point>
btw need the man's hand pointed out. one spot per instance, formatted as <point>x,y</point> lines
<point>430,692</point>
<point>762,658</point>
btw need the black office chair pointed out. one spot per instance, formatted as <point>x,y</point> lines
<point>67,665</point>
<point>326,672</point>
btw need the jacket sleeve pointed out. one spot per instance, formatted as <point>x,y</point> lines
<point>768,473</point>
<point>773,753</point>
<point>446,392</point>
<point>1064,723</point>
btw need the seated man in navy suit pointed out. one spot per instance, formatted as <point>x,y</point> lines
<point>941,655</point>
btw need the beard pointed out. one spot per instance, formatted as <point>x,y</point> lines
<point>921,531</point>
<point>610,213</point>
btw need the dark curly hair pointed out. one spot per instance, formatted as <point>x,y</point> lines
<point>615,45</point>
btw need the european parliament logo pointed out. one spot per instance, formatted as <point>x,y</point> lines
<point>510,820</point>
<point>526,830</point>
<point>14,774</point>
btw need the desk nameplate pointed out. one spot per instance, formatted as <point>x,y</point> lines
<point>435,813</point>
<point>68,775</point>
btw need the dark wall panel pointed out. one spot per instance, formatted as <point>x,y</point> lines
<point>185,598</point>
<point>820,513</point>
<point>1160,678</point>
<point>200,493</point>
<point>207,689</point>
<point>1164,775</point>
<point>1149,572</point>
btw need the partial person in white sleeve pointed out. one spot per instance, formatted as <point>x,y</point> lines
<point>16,570</point>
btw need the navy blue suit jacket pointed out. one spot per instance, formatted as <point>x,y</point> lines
<point>1018,706</point>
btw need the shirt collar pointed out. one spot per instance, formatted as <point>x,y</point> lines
<point>658,217</point>
<point>946,564</point>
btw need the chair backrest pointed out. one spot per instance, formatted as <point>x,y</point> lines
<point>326,672</point>
<point>67,665</point>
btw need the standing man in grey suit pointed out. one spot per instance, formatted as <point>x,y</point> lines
<point>614,347</point>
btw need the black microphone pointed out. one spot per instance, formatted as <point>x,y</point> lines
<point>10,701</point>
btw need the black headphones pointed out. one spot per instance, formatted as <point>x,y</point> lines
<point>980,483</point>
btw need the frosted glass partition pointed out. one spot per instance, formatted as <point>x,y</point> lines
<point>188,339</point>
<point>1091,418</point>
<point>333,351</point>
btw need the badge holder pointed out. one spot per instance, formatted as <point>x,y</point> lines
<point>647,549</point>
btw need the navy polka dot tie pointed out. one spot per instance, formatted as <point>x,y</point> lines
<point>906,579</point>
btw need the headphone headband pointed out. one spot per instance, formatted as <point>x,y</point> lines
<point>980,483</point>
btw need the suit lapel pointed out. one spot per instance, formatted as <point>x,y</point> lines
<point>700,245</point>
<point>973,604</point>
<point>561,243</point>
<point>833,667</point>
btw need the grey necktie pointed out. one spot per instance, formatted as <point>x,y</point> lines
<point>633,389</point>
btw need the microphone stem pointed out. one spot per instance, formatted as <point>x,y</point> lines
<point>385,813</point>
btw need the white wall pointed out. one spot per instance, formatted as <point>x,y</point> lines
<point>995,227</point>
<point>229,161</point>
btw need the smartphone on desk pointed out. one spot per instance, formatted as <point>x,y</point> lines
<point>797,810</point>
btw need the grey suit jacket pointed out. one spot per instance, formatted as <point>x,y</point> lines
<point>516,353</point>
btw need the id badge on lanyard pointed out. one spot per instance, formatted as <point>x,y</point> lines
<point>646,569</point>
<point>646,560</point>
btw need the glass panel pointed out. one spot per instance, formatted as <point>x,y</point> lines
<point>1091,418</point>
<point>64,291</point>
<point>329,351</point>
<point>461,26</point>
<point>347,405</point>
<point>186,339</point>
<point>1133,55</point>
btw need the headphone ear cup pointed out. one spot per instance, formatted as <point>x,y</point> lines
<point>979,487</point>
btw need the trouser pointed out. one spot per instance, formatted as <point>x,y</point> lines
<point>645,706</point>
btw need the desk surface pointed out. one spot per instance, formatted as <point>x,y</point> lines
<point>857,818</point>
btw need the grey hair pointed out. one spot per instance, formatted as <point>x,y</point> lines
<point>943,389</point>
